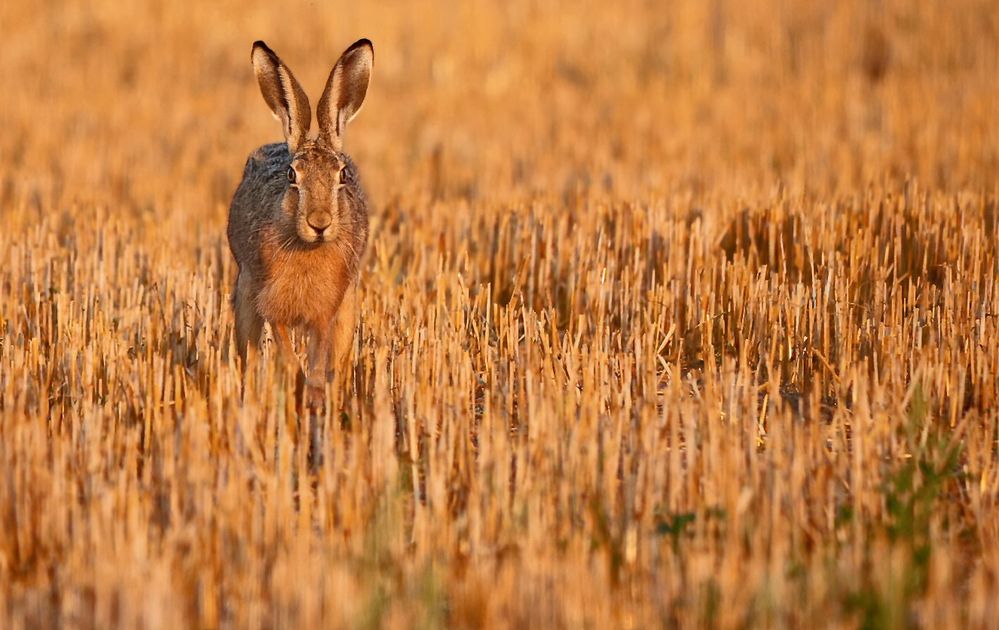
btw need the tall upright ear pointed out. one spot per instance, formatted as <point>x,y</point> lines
<point>283,94</point>
<point>344,93</point>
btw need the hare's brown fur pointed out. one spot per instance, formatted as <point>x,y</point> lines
<point>298,222</point>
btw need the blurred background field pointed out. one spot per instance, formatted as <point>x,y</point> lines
<point>674,313</point>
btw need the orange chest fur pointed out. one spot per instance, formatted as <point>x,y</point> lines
<point>302,286</point>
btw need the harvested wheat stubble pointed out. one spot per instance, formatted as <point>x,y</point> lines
<point>671,315</point>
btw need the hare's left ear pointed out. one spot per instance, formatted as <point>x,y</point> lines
<point>283,94</point>
<point>344,93</point>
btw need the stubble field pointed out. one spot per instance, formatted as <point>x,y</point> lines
<point>672,314</point>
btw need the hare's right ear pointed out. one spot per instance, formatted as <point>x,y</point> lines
<point>283,94</point>
<point>344,93</point>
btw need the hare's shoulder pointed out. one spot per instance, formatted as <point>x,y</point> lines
<point>268,159</point>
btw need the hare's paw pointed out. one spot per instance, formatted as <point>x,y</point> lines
<point>314,398</point>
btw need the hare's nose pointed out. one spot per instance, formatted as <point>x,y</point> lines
<point>319,221</point>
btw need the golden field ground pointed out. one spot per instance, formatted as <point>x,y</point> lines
<point>673,313</point>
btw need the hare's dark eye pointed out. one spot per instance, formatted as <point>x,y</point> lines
<point>291,174</point>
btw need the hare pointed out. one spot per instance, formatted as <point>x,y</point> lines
<point>298,222</point>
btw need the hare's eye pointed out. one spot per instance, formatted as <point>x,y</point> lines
<point>291,174</point>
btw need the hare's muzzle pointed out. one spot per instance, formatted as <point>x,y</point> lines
<point>319,221</point>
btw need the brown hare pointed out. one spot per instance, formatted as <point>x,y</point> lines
<point>298,222</point>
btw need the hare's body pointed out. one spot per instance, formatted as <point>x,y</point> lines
<point>298,222</point>
<point>293,283</point>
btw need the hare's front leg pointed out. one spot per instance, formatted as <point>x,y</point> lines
<point>249,324</point>
<point>319,352</point>
<point>343,336</point>
<point>286,355</point>
<point>329,351</point>
<point>285,349</point>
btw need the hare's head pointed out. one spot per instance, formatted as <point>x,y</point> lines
<point>313,203</point>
